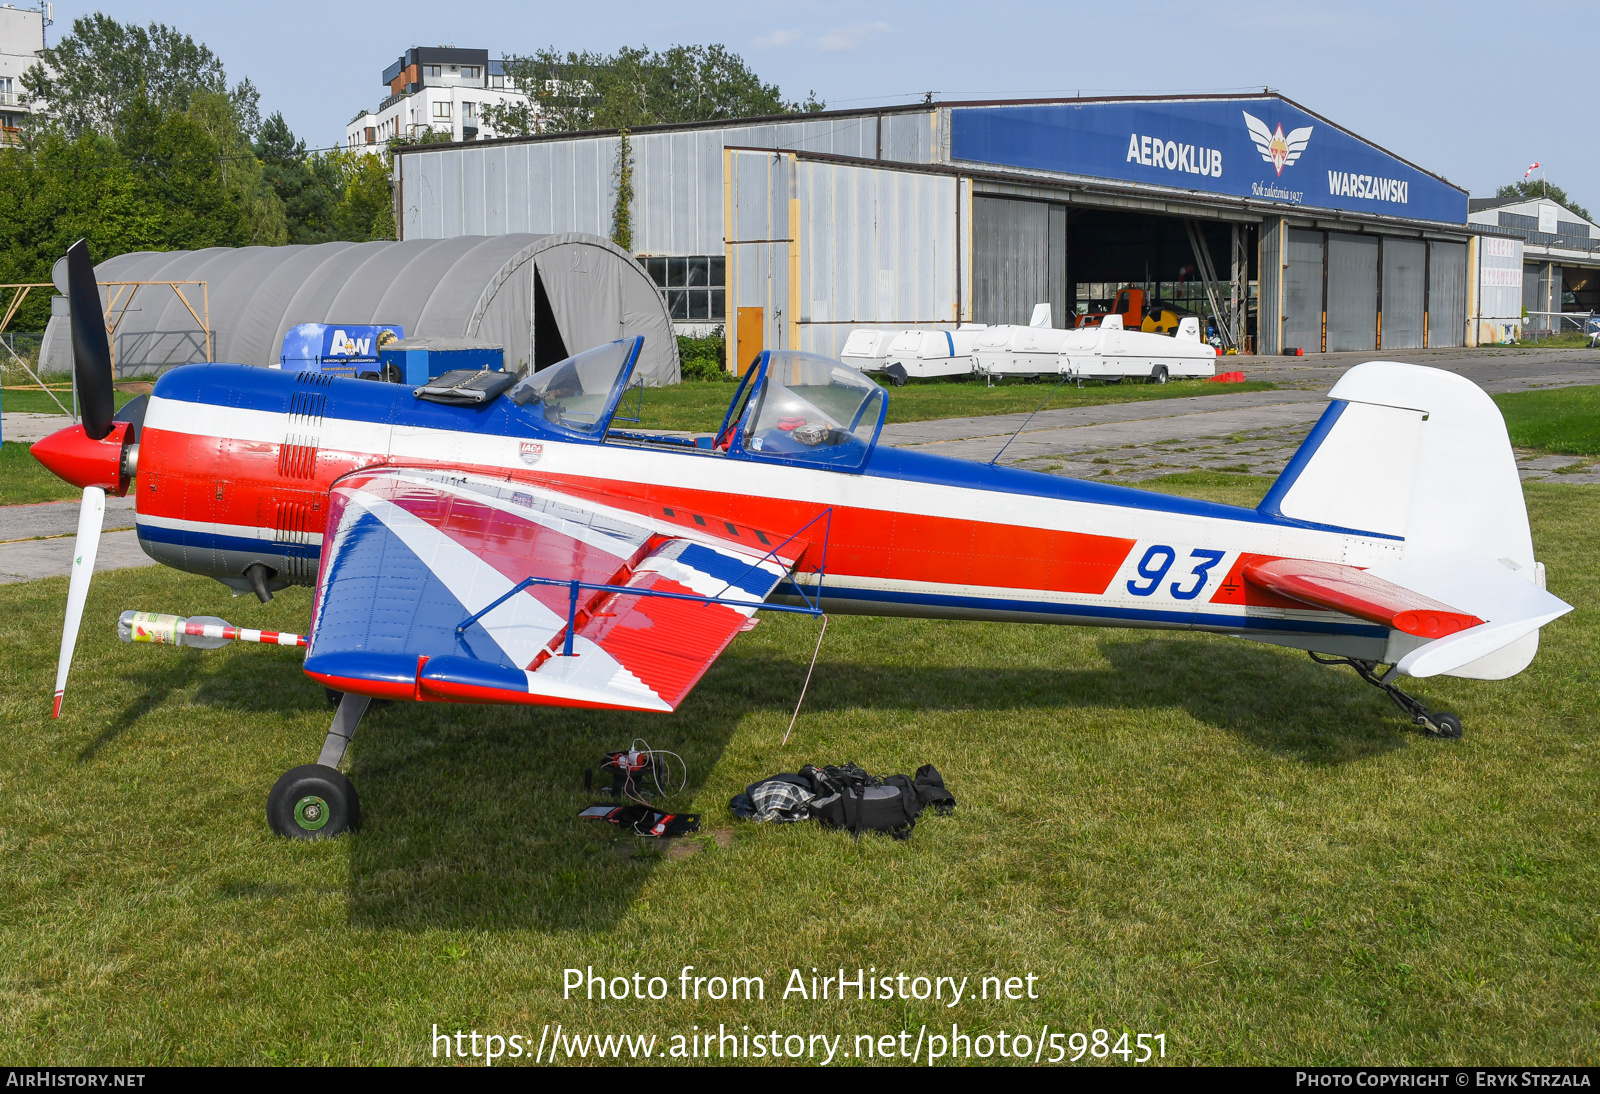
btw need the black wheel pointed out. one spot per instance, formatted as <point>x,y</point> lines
<point>313,802</point>
<point>898,381</point>
<point>392,375</point>
<point>1446,725</point>
<point>1158,375</point>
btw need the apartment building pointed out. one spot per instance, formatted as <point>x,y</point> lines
<point>438,88</point>
<point>21,39</point>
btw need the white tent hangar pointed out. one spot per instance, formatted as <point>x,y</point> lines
<point>543,297</point>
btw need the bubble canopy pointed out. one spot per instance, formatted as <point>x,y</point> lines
<point>579,394</point>
<point>803,408</point>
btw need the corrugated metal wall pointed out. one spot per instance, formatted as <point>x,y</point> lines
<point>1352,291</point>
<point>1302,291</point>
<point>1269,263</point>
<point>1019,259</point>
<point>758,220</point>
<point>568,185</point>
<point>824,247</point>
<point>1404,292</point>
<point>1447,294</point>
<point>878,247</point>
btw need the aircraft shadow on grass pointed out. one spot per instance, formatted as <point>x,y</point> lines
<point>470,813</point>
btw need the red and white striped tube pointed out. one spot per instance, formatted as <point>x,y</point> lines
<point>199,631</point>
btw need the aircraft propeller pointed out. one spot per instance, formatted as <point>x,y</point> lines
<point>91,366</point>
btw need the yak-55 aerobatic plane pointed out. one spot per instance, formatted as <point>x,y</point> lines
<point>525,549</point>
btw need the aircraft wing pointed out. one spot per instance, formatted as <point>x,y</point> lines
<point>417,596</point>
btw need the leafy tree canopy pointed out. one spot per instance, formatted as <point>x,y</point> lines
<point>633,87</point>
<point>101,67</point>
<point>1538,188</point>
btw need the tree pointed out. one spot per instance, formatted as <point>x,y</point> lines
<point>366,207</point>
<point>308,186</point>
<point>258,213</point>
<point>97,71</point>
<point>1539,188</point>
<point>633,87</point>
<point>59,190</point>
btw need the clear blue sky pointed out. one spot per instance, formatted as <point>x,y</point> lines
<point>1473,91</point>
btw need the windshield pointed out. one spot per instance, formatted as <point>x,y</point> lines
<point>814,409</point>
<point>578,394</point>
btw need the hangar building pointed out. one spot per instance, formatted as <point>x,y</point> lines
<point>1289,229</point>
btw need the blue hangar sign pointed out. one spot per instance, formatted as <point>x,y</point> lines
<point>1258,147</point>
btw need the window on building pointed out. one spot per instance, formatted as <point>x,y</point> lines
<point>470,71</point>
<point>692,287</point>
<point>372,134</point>
<point>469,112</point>
<point>430,70</point>
<point>497,81</point>
<point>441,110</point>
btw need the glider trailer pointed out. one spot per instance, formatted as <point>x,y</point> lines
<point>517,546</point>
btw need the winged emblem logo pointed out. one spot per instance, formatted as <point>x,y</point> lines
<point>1279,150</point>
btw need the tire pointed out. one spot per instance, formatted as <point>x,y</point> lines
<point>1158,375</point>
<point>313,802</point>
<point>391,375</point>
<point>898,381</point>
<point>1447,726</point>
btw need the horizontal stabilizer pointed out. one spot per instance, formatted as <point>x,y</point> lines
<point>1468,646</point>
<point>1357,592</point>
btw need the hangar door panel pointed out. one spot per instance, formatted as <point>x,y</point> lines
<point>1019,259</point>
<point>1404,280</point>
<point>1447,294</point>
<point>1302,291</point>
<point>1352,292</point>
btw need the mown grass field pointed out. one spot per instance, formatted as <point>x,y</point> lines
<point>1189,835</point>
<point>32,400</point>
<point>1563,419</point>
<point>24,480</point>
<point>700,405</point>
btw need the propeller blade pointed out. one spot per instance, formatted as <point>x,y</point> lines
<point>91,352</point>
<point>91,515</point>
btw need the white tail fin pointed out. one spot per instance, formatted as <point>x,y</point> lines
<point>1421,455</point>
<point>1041,316</point>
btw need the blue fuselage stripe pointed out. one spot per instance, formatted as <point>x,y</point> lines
<point>832,590</point>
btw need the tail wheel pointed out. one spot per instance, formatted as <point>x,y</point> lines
<point>313,802</point>
<point>1445,725</point>
<point>1158,375</point>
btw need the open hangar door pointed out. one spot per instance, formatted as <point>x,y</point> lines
<point>1366,292</point>
<point>1203,267</point>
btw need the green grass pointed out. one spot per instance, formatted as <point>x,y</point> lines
<point>1563,419</point>
<point>24,479</point>
<point>700,405</point>
<point>1192,835</point>
<point>35,401</point>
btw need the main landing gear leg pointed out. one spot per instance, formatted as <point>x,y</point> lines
<point>1432,723</point>
<point>316,801</point>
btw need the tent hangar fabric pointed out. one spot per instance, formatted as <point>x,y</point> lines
<point>543,297</point>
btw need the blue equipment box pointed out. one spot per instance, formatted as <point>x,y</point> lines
<point>341,349</point>
<point>422,359</point>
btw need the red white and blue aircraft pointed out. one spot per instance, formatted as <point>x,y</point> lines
<point>527,550</point>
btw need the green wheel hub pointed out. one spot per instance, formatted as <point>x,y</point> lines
<point>311,813</point>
